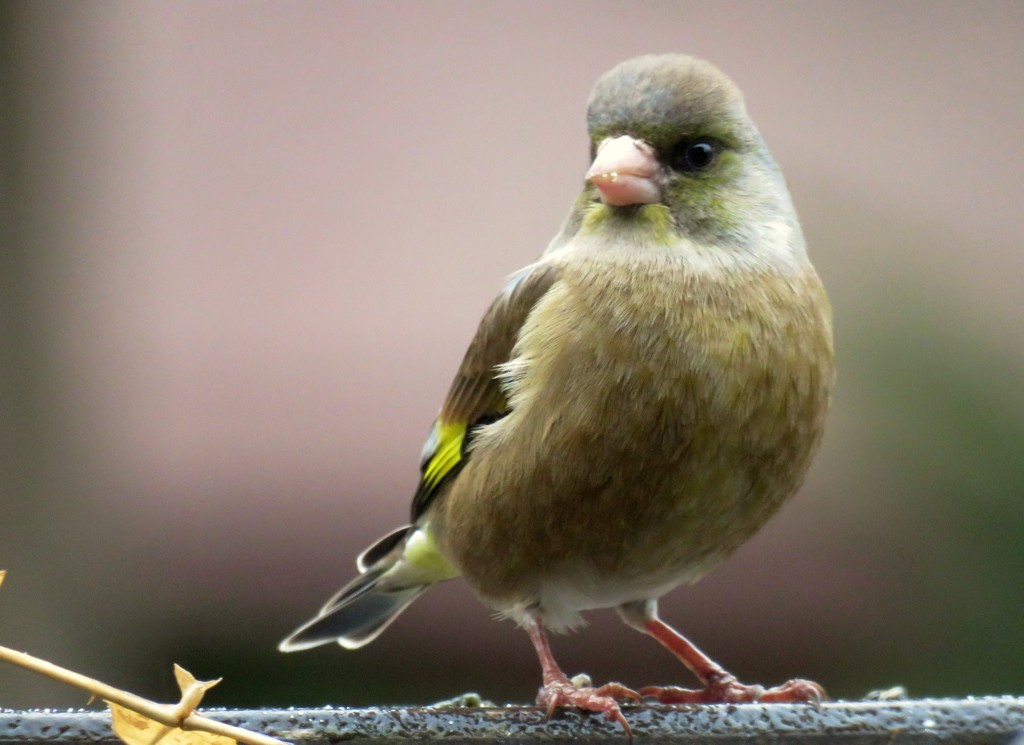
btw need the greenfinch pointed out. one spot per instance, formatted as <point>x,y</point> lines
<point>635,404</point>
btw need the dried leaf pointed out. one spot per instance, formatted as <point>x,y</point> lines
<point>192,690</point>
<point>185,679</point>
<point>135,729</point>
<point>162,723</point>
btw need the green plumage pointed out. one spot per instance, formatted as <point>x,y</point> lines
<point>636,403</point>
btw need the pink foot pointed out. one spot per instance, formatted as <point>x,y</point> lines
<point>726,689</point>
<point>604,700</point>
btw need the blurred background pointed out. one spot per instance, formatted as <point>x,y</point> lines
<point>246,243</point>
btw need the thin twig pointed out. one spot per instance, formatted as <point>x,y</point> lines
<point>166,714</point>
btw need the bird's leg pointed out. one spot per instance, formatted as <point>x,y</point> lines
<point>558,691</point>
<point>720,686</point>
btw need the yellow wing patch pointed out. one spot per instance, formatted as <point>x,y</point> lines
<point>446,456</point>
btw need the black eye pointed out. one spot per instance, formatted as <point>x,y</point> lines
<point>696,155</point>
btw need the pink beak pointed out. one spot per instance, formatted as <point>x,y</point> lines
<point>626,172</point>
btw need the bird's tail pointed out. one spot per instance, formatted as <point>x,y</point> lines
<point>395,570</point>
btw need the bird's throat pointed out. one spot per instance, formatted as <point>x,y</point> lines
<point>649,223</point>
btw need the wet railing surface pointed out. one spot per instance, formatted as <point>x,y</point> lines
<point>974,720</point>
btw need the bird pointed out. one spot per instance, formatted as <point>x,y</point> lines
<point>634,405</point>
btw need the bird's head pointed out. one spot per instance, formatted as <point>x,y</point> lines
<point>670,132</point>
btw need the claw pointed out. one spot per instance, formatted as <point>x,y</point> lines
<point>560,692</point>
<point>719,685</point>
<point>727,689</point>
<point>619,692</point>
<point>796,691</point>
<point>558,695</point>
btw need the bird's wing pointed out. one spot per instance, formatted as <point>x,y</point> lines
<point>476,396</point>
